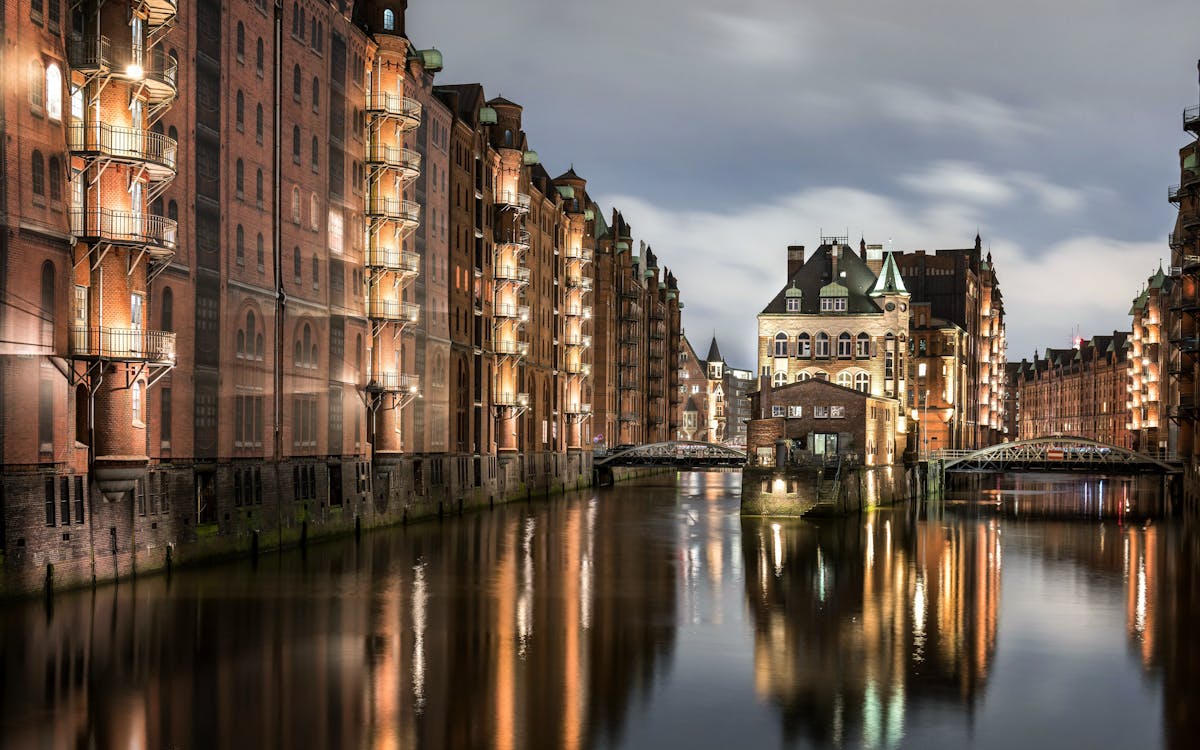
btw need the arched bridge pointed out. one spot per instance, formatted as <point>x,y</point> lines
<point>680,454</point>
<point>1057,453</point>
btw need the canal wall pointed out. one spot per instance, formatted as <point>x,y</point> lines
<point>200,512</point>
<point>813,491</point>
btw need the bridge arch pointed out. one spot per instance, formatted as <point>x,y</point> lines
<point>1057,452</point>
<point>675,453</point>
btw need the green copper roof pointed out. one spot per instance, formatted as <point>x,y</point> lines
<point>834,289</point>
<point>1159,279</point>
<point>890,281</point>
<point>793,291</point>
<point>1140,302</point>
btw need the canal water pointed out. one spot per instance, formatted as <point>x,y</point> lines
<point>1040,612</point>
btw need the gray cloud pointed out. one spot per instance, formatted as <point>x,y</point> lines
<point>1052,127</point>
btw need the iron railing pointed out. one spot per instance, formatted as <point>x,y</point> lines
<point>510,399</point>
<point>513,273</point>
<point>393,259</point>
<point>128,344</point>
<point>394,105</point>
<point>123,143</point>
<point>520,312</point>
<point>395,382</point>
<point>125,228</point>
<point>513,199</point>
<point>90,54</point>
<point>395,310</point>
<point>394,209</point>
<point>512,348</point>
<point>403,159</point>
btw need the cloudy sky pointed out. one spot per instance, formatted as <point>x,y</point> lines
<point>726,131</point>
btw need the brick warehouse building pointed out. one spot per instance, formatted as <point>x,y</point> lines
<point>264,279</point>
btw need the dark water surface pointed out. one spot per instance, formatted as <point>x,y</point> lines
<point>1040,613</point>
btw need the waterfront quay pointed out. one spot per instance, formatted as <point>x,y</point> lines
<point>651,613</point>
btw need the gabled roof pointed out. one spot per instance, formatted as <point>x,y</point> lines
<point>890,281</point>
<point>853,275</point>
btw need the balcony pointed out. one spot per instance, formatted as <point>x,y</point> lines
<point>582,254</point>
<point>520,240</point>
<point>578,341</point>
<point>393,311</point>
<point>577,368</point>
<point>89,55</point>
<point>511,399</point>
<point>512,348</point>
<point>123,344</point>
<point>1176,194</point>
<point>579,409</point>
<point>395,382</point>
<point>395,107</point>
<point>158,72</point>
<point>576,281</point>
<point>407,213</point>
<point>127,228</point>
<point>158,12</point>
<point>510,199</point>
<point>513,274</point>
<point>578,311</point>
<point>515,312</point>
<point>405,161</point>
<point>153,150</point>
<point>391,259</point>
<point>1191,119</point>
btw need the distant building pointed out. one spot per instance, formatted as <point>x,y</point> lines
<point>693,395</point>
<point>841,318</point>
<point>940,372</point>
<point>1081,391</point>
<point>1149,361</point>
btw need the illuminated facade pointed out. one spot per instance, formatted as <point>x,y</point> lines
<point>348,297</point>
<point>940,365</point>
<point>1149,388</point>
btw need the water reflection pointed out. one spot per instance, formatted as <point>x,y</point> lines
<point>1034,612</point>
<point>527,627</point>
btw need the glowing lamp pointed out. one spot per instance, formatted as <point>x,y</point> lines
<point>134,71</point>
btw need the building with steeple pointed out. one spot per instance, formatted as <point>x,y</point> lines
<point>841,317</point>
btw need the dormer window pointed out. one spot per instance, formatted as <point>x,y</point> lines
<point>833,304</point>
<point>793,305</point>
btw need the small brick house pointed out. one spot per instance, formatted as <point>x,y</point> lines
<point>819,419</point>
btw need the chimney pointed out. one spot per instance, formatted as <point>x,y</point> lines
<point>835,254</point>
<point>795,259</point>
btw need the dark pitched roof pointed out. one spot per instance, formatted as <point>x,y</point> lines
<point>568,175</point>
<point>714,353</point>
<point>815,383</point>
<point>817,273</point>
<point>502,102</point>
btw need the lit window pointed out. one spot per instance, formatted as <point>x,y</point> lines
<point>135,401</point>
<point>389,20</point>
<point>795,411</point>
<point>53,92</point>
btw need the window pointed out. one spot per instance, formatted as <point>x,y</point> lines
<point>862,382</point>
<point>295,205</point>
<point>296,83</point>
<point>37,175</point>
<point>240,111</point>
<point>240,252</point>
<point>793,304</point>
<point>777,410</point>
<point>833,304</point>
<point>779,379</point>
<point>296,264</point>
<point>53,91</point>
<point>258,57</point>
<point>795,411</point>
<point>54,179</point>
<point>316,153</point>
<point>167,318</point>
<point>316,94</point>
<point>845,345</point>
<point>258,251</point>
<point>845,379</point>
<point>239,177</point>
<point>837,412</point>
<point>820,412</point>
<point>862,346</point>
<point>241,41</point>
<point>781,344</point>
<point>135,401</point>
<point>37,83</point>
<point>389,20</point>
<point>314,207</point>
<point>258,188</point>
<point>258,123</point>
<point>50,509</point>
<point>295,144</point>
<point>316,273</point>
<point>822,345</point>
<point>804,346</point>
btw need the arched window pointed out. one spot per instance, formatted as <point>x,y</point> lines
<point>313,208</point>
<point>316,272</point>
<point>239,177</point>
<point>37,174</point>
<point>295,205</point>
<point>862,347</point>
<point>389,20</point>
<point>845,346</point>
<point>779,379</point>
<point>240,110</point>
<point>781,344</point>
<point>258,188</point>
<point>295,19</point>
<point>241,245</point>
<point>258,56</point>
<point>862,382</point>
<point>241,344</point>
<point>172,210</point>
<point>508,138</point>
<point>37,84</point>
<point>296,264</point>
<point>296,82</point>
<point>258,123</point>
<point>258,251</point>
<point>53,92</point>
<point>822,348</point>
<point>251,326</point>
<point>168,310</point>
<point>135,401</point>
<point>296,144</point>
<point>806,375</point>
<point>845,379</point>
<point>316,94</point>
<point>54,179</point>
<point>241,41</point>
<point>804,346</point>
<point>316,151</point>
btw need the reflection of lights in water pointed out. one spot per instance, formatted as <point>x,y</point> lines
<point>895,731</point>
<point>1139,612</point>
<point>838,725</point>
<point>870,545</point>
<point>872,719</point>
<point>777,544</point>
<point>585,569</point>
<point>525,600</point>
<point>919,617</point>
<point>887,536</point>
<point>762,563</point>
<point>1125,560</point>
<point>420,598</point>
<point>820,574</point>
